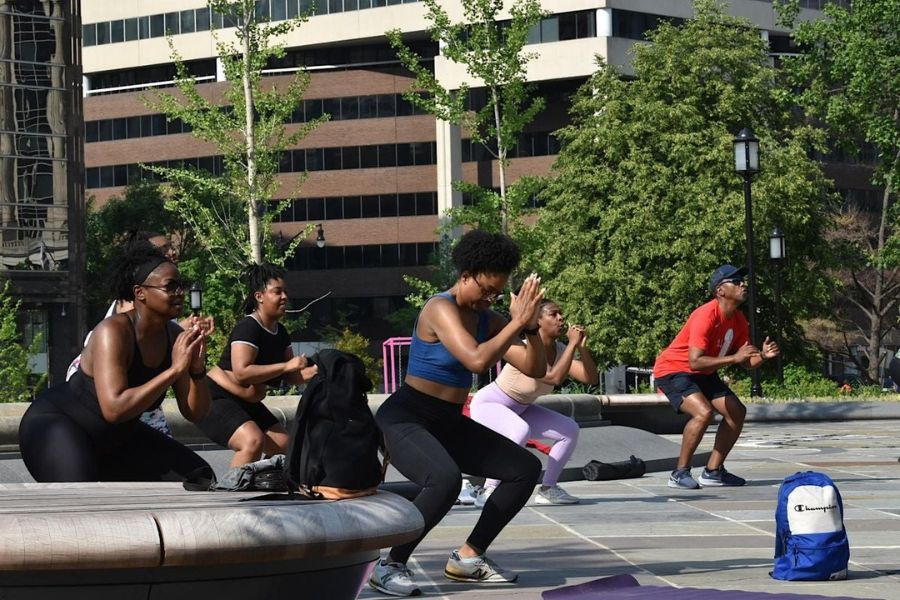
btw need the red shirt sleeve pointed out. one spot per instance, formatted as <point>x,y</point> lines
<point>701,329</point>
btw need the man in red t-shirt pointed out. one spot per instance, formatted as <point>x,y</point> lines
<point>715,336</point>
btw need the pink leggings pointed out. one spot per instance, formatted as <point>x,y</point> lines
<point>494,409</point>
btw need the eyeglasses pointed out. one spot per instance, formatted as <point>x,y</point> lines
<point>172,288</point>
<point>736,281</point>
<point>487,294</point>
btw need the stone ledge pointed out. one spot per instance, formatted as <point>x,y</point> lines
<point>56,527</point>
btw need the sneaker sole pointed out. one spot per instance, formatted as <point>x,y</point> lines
<point>719,484</point>
<point>465,579</point>
<point>378,588</point>
<point>542,500</point>
<point>676,486</point>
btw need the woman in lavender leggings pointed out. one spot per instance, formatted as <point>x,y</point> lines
<point>507,405</point>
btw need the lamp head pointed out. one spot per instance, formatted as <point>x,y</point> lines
<point>746,152</point>
<point>777,249</point>
<point>196,297</point>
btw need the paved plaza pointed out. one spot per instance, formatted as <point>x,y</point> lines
<point>721,538</point>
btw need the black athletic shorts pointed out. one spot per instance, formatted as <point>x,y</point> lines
<point>678,385</point>
<point>227,413</point>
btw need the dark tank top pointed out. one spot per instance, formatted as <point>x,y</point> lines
<point>81,403</point>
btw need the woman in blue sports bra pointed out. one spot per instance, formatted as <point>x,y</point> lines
<point>429,440</point>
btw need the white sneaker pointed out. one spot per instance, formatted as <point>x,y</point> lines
<point>467,493</point>
<point>479,569</point>
<point>554,495</point>
<point>394,579</point>
<point>483,495</point>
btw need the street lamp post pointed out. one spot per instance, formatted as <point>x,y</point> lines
<point>777,255</point>
<point>746,163</point>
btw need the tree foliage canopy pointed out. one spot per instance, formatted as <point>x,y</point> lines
<point>231,213</point>
<point>847,78</point>
<point>645,201</point>
<point>492,51</point>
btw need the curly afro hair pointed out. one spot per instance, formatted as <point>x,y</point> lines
<point>137,261</point>
<point>258,277</point>
<point>481,252</point>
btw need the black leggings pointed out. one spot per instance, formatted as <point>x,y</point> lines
<point>431,443</point>
<point>55,447</point>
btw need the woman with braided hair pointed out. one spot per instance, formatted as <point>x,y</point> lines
<point>89,428</point>
<point>258,355</point>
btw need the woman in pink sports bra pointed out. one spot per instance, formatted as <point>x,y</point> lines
<point>508,406</point>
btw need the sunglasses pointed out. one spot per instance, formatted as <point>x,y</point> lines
<point>172,288</point>
<point>735,281</point>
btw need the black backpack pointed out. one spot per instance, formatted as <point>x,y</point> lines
<point>334,441</point>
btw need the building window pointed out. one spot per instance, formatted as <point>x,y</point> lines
<point>131,30</point>
<point>201,19</point>
<point>89,34</point>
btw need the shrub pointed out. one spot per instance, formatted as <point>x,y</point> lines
<point>357,344</point>
<point>17,383</point>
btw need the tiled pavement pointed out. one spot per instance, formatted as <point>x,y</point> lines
<point>711,538</point>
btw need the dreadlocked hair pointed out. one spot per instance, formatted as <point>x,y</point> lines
<point>137,260</point>
<point>481,252</point>
<point>258,277</point>
<point>133,236</point>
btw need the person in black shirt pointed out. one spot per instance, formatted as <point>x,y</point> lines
<point>258,355</point>
<point>89,428</point>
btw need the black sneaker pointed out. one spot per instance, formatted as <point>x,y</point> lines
<point>720,478</point>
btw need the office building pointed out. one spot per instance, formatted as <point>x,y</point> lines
<point>41,174</point>
<point>380,172</point>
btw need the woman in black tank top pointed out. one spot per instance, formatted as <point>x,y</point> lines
<point>88,429</point>
<point>258,355</point>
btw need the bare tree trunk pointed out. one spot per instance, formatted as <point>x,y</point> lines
<point>250,137</point>
<point>501,159</point>
<point>878,299</point>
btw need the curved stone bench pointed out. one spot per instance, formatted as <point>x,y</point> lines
<point>156,540</point>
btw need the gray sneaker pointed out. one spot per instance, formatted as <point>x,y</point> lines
<point>482,495</point>
<point>394,579</point>
<point>720,478</point>
<point>467,493</point>
<point>479,569</point>
<point>681,479</point>
<point>554,495</point>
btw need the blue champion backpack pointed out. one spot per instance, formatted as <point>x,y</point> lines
<point>810,540</point>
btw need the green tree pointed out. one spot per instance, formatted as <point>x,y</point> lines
<point>17,384</point>
<point>492,52</point>
<point>847,77</point>
<point>232,214</point>
<point>358,344</point>
<point>645,203</point>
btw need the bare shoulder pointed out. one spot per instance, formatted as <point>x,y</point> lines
<point>117,326</point>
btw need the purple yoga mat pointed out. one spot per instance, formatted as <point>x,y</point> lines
<point>591,589</point>
<point>626,587</point>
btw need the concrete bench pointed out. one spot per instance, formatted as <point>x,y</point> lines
<point>155,540</point>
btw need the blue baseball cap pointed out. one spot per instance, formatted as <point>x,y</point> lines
<point>725,272</point>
